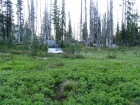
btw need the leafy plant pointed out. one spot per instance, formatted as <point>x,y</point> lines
<point>112,54</point>
<point>34,46</point>
<point>56,63</point>
<point>73,48</point>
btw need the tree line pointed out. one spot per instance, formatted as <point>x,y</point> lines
<point>53,24</point>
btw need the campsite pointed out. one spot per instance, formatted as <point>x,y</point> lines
<point>69,52</point>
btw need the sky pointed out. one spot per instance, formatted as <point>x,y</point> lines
<point>73,6</point>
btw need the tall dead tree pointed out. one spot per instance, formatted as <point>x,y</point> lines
<point>95,21</point>
<point>20,19</point>
<point>91,24</point>
<point>85,31</point>
<point>111,23</point>
<point>0,6</point>
<point>109,40</point>
<point>1,20</point>
<point>98,27</point>
<point>81,20</point>
<point>36,17</point>
<point>107,25</point>
<point>32,19</point>
<point>104,30</point>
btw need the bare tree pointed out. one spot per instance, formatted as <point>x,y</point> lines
<point>1,20</point>
<point>36,17</point>
<point>20,19</point>
<point>104,30</point>
<point>85,31</point>
<point>0,6</point>
<point>32,18</point>
<point>81,20</point>
<point>91,24</point>
<point>110,23</point>
<point>98,28</point>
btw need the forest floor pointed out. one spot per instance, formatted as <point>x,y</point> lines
<point>105,77</point>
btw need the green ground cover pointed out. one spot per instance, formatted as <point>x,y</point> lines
<point>91,78</point>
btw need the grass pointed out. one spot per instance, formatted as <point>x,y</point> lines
<point>60,80</point>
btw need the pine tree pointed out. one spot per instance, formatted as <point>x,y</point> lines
<point>118,38</point>
<point>129,24</point>
<point>123,25</point>
<point>63,23</point>
<point>135,28</point>
<point>96,25</point>
<point>46,24</point>
<point>8,14</point>
<point>69,31</point>
<point>26,37</point>
<point>34,46</point>
<point>50,15</point>
<point>99,33</point>
<point>56,22</point>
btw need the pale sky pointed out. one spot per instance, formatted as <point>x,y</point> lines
<point>74,7</point>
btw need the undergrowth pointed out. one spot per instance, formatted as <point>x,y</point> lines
<point>94,80</point>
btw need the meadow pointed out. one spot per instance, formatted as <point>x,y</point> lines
<point>105,77</point>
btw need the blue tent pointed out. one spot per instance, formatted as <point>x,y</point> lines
<point>51,44</point>
<point>53,47</point>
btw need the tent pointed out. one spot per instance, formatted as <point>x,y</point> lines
<point>53,47</point>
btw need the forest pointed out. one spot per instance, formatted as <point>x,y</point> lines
<point>100,60</point>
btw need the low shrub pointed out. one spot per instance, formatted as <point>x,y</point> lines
<point>80,56</point>
<point>65,55</point>
<point>73,56</point>
<point>73,48</point>
<point>68,85</point>
<point>49,55</point>
<point>34,46</point>
<point>17,52</point>
<point>44,47</point>
<point>5,56</point>
<point>55,64</point>
<point>112,56</point>
<point>65,88</point>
